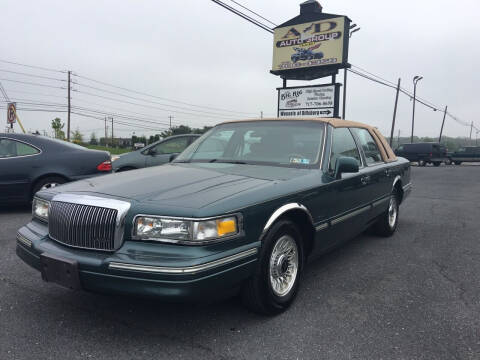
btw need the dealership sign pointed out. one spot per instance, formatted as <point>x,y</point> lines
<point>311,45</point>
<point>308,101</point>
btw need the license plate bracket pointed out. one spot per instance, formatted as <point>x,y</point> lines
<point>61,271</point>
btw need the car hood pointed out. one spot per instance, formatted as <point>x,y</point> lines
<point>184,185</point>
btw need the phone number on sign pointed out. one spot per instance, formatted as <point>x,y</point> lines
<point>291,65</point>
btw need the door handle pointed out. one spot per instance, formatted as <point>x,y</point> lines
<point>365,179</point>
<point>387,172</point>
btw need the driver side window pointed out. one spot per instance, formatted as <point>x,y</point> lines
<point>343,145</point>
<point>171,146</point>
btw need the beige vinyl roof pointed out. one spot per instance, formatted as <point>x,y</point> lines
<point>387,153</point>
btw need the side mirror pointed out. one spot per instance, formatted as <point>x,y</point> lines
<point>152,152</point>
<point>172,157</point>
<point>345,164</point>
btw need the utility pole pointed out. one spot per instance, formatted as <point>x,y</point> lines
<point>416,79</point>
<point>443,122</point>
<point>394,112</point>
<point>261,114</point>
<point>170,117</point>
<point>106,143</point>
<point>398,138</point>
<point>344,91</point>
<point>68,120</point>
<point>471,128</point>
<point>112,132</point>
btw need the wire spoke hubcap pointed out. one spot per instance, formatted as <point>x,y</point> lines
<point>283,265</point>
<point>392,212</point>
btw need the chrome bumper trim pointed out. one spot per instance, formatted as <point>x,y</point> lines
<point>22,239</point>
<point>321,226</point>
<point>182,270</point>
<point>349,215</point>
<point>381,201</point>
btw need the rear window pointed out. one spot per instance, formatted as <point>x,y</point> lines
<point>14,148</point>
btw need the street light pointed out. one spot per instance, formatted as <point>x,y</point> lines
<point>416,79</point>
<point>353,29</point>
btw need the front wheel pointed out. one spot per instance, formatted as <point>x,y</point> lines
<point>388,221</point>
<point>422,163</point>
<point>275,283</point>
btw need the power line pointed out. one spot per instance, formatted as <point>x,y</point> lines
<point>36,93</point>
<point>149,101</point>
<point>148,106</point>
<point>32,75</point>
<point>159,97</point>
<point>121,122</point>
<point>34,84</point>
<point>253,12</point>
<point>244,16</point>
<point>32,66</point>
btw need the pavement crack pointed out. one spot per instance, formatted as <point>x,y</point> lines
<point>442,270</point>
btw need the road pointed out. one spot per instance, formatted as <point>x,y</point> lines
<point>415,295</point>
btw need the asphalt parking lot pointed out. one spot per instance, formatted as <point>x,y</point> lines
<point>415,295</point>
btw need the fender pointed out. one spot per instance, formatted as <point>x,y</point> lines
<point>282,210</point>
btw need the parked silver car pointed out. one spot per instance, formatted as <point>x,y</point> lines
<point>158,153</point>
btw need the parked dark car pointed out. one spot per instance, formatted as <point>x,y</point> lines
<point>29,163</point>
<point>242,209</point>
<point>424,153</point>
<point>466,154</point>
<point>158,153</point>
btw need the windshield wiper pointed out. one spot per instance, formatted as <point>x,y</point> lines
<point>227,161</point>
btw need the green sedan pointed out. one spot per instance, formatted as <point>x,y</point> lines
<point>239,211</point>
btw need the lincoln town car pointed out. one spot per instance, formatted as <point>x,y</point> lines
<point>240,211</point>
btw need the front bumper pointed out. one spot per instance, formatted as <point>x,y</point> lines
<point>171,272</point>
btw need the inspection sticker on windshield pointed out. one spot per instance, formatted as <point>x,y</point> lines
<point>296,160</point>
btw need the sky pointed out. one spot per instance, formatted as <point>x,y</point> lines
<point>196,52</point>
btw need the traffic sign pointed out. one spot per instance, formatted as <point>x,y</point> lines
<point>11,113</point>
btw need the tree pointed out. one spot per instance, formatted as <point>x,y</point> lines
<point>57,126</point>
<point>77,136</point>
<point>93,139</point>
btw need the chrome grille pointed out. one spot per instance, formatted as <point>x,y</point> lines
<point>83,226</point>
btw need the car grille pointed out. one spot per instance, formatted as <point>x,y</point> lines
<point>83,226</point>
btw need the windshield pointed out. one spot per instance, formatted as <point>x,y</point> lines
<point>276,143</point>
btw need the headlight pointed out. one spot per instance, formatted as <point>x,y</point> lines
<point>184,230</point>
<point>40,209</point>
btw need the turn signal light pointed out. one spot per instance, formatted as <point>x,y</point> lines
<point>105,166</point>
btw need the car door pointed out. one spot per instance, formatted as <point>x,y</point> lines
<point>16,162</point>
<point>163,152</point>
<point>377,173</point>
<point>344,199</point>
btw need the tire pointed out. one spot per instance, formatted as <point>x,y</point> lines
<point>388,221</point>
<point>422,163</point>
<point>282,248</point>
<point>448,162</point>
<point>48,183</point>
<point>436,163</point>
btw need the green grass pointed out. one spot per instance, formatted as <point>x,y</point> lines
<point>104,148</point>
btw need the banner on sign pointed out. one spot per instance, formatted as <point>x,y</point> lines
<point>308,101</point>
